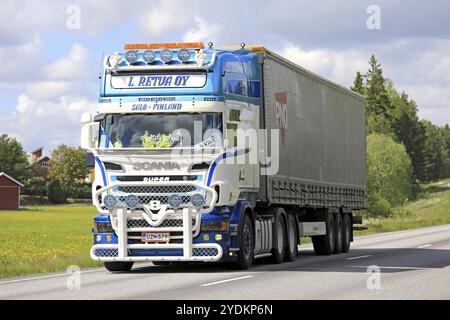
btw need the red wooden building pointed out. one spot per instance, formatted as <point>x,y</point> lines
<point>9,192</point>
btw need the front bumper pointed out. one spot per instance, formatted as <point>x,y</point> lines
<point>124,221</point>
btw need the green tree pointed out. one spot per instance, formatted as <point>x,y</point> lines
<point>409,131</point>
<point>68,166</point>
<point>436,156</point>
<point>358,84</point>
<point>389,173</point>
<point>376,96</point>
<point>13,160</point>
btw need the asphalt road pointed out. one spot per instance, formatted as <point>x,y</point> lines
<point>413,264</point>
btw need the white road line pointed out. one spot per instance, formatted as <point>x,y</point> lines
<point>223,281</point>
<point>424,246</point>
<point>359,257</point>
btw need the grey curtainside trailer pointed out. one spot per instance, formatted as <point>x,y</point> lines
<point>322,145</point>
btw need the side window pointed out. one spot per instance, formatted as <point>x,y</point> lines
<point>234,81</point>
<point>232,126</point>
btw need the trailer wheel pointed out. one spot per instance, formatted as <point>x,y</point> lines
<point>118,266</point>
<point>324,245</point>
<point>246,247</point>
<point>279,238</point>
<point>292,239</point>
<point>346,233</point>
<point>338,230</point>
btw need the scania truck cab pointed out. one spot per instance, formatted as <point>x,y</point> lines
<point>190,166</point>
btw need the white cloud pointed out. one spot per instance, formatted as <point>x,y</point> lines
<point>47,123</point>
<point>203,31</point>
<point>77,65</point>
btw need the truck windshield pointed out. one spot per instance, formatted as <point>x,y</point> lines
<point>154,131</point>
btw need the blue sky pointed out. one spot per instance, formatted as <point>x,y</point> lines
<point>49,72</point>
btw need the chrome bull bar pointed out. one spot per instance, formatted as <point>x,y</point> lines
<point>120,213</point>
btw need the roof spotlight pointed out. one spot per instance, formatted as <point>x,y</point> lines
<point>184,55</point>
<point>110,201</point>
<point>149,56</point>
<point>131,56</point>
<point>166,55</point>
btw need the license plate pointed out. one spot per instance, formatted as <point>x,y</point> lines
<point>155,237</point>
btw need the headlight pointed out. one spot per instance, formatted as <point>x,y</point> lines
<point>101,227</point>
<point>184,55</point>
<point>214,226</point>
<point>175,201</point>
<point>166,55</point>
<point>197,200</point>
<point>131,201</point>
<point>149,56</point>
<point>131,56</point>
<point>109,201</point>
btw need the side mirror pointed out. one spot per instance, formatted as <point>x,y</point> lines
<point>87,140</point>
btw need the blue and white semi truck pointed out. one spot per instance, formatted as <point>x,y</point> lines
<point>207,154</point>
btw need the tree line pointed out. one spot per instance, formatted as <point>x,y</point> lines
<point>66,174</point>
<point>402,150</point>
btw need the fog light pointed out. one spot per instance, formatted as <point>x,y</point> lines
<point>109,201</point>
<point>197,200</point>
<point>98,238</point>
<point>131,201</point>
<point>218,237</point>
<point>206,237</point>
<point>175,201</point>
<point>109,238</point>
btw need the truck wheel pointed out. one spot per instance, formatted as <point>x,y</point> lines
<point>292,239</point>
<point>346,233</point>
<point>118,266</point>
<point>246,247</point>
<point>324,245</point>
<point>339,233</point>
<point>279,238</point>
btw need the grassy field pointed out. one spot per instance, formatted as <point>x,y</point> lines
<point>432,208</point>
<point>41,239</point>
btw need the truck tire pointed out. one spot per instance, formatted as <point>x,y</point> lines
<point>118,266</point>
<point>338,229</point>
<point>292,239</point>
<point>246,247</point>
<point>346,232</point>
<point>324,245</point>
<point>279,238</point>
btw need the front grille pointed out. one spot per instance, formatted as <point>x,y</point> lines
<point>204,252</point>
<point>157,189</point>
<point>168,223</point>
<point>106,253</point>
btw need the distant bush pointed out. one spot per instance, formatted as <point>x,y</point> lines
<point>35,186</point>
<point>55,192</point>
<point>83,191</point>
<point>389,175</point>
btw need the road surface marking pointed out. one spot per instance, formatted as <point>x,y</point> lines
<point>222,281</point>
<point>359,257</point>
<point>424,246</point>
<point>398,268</point>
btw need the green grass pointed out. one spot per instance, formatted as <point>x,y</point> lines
<point>430,209</point>
<point>40,239</point>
